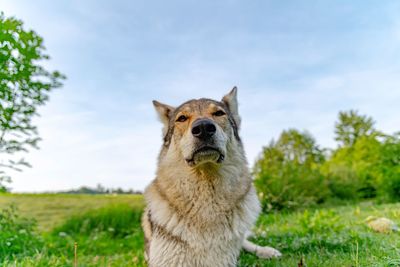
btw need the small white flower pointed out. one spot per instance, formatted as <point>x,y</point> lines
<point>62,234</point>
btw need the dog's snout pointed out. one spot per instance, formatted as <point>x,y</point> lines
<point>203,129</point>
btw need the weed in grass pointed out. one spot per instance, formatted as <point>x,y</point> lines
<point>17,235</point>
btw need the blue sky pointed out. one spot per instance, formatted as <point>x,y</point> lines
<point>296,64</point>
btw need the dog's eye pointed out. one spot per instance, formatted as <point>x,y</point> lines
<point>182,118</point>
<point>219,113</point>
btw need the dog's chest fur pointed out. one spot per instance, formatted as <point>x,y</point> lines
<point>199,222</point>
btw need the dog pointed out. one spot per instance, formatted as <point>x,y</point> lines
<point>202,204</point>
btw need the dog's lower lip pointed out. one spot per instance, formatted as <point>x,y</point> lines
<point>205,148</point>
<point>191,161</point>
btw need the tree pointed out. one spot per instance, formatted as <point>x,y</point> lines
<point>389,167</point>
<point>353,172</point>
<point>300,148</point>
<point>352,168</point>
<point>351,126</point>
<point>24,86</point>
<point>287,172</point>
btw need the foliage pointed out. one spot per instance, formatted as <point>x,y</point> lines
<point>17,235</point>
<point>365,165</point>
<point>353,169</point>
<point>389,168</point>
<point>287,173</point>
<point>352,126</point>
<point>353,172</point>
<point>24,86</point>
<point>369,169</point>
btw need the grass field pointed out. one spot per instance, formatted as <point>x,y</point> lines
<point>50,209</point>
<point>107,232</point>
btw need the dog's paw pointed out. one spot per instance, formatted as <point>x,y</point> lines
<point>268,253</point>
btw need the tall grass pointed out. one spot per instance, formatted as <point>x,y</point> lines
<point>116,220</point>
<point>17,235</point>
<point>51,210</point>
<point>103,235</point>
<point>106,230</point>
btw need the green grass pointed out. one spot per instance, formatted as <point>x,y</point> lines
<point>106,229</point>
<point>17,235</point>
<point>109,235</point>
<point>50,210</point>
<point>328,237</point>
<point>107,232</point>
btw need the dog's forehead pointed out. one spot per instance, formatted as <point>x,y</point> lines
<point>198,105</point>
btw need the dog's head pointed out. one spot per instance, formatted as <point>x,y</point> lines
<point>200,131</point>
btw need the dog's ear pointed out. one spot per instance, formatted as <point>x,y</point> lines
<point>231,102</point>
<point>164,113</point>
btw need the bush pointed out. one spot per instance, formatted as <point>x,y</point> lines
<point>287,173</point>
<point>393,187</point>
<point>369,169</point>
<point>17,235</point>
<point>93,230</point>
<point>116,220</point>
<point>390,169</point>
<point>293,187</point>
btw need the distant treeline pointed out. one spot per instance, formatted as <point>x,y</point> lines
<point>99,189</point>
<point>295,171</point>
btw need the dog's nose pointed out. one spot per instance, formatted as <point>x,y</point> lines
<point>203,129</point>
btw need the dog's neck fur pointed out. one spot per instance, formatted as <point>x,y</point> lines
<point>220,186</point>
